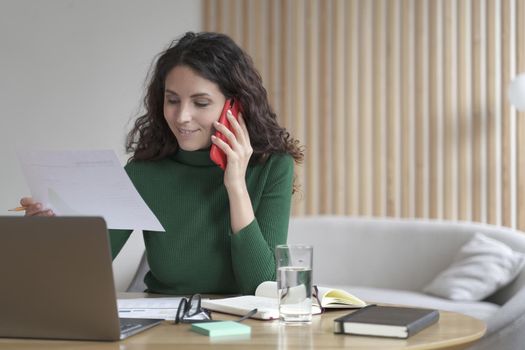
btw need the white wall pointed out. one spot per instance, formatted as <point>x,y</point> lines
<point>72,74</point>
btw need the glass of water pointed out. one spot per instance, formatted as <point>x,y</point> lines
<point>294,282</point>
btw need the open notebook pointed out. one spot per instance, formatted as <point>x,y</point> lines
<point>266,302</point>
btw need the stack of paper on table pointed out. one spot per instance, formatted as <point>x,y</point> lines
<point>266,302</point>
<point>165,308</point>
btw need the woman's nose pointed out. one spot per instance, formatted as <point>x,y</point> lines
<point>184,114</point>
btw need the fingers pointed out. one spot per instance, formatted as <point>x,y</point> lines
<point>34,208</point>
<point>224,146</point>
<point>244,128</point>
<point>224,130</point>
<point>26,201</point>
<point>38,210</point>
<point>239,132</point>
<point>245,137</point>
<point>236,145</point>
<point>239,137</point>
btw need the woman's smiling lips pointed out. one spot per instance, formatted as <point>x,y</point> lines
<point>186,131</point>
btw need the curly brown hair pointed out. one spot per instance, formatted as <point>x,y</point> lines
<point>215,57</point>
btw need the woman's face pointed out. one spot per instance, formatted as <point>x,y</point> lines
<point>191,105</point>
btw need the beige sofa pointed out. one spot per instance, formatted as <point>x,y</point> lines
<point>391,260</point>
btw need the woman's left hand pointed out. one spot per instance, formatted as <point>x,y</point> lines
<point>238,151</point>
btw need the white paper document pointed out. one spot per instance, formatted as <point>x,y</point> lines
<point>164,308</point>
<point>87,183</point>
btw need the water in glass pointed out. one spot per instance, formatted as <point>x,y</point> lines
<point>295,293</point>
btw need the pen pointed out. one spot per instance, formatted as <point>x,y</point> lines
<point>132,310</point>
<point>18,209</point>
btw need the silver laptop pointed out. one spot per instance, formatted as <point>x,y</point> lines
<point>57,280</point>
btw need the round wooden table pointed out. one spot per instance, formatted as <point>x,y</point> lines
<point>452,331</point>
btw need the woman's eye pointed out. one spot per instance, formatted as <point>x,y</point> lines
<point>201,104</point>
<point>172,102</point>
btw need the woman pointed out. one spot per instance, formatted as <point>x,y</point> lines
<point>221,226</point>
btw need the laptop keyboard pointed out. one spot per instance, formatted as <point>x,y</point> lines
<point>129,324</point>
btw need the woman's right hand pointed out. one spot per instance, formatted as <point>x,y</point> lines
<point>35,208</point>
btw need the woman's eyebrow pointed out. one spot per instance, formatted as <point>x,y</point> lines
<point>199,94</point>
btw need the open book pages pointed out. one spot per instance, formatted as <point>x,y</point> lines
<point>330,298</point>
<point>267,308</point>
<point>266,301</point>
<point>338,299</point>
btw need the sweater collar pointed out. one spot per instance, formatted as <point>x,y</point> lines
<point>194,158</point>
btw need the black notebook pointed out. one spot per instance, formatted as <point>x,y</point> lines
<point>386,321</point>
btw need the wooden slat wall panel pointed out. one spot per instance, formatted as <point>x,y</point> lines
<point>493,32</point>
<point>298,48</point>
<point>339,122</point>
<point>435,109</point>
<point>379,109</point>
<point>365,102</point>
<point>324,117</point>
<point>450,116</point>
<point>407,130</point>
<point>351,107</point>
<point>508,207</point>
<point>312,189</point>
<point>401,104</point>
<point>520,68</point>
<point>466,80</point>
<point>393,108</point>
<point>421,108</point>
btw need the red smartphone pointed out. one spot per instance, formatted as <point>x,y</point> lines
<point>216,154</point>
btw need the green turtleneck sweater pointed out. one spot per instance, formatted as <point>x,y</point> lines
<point>198,253</point>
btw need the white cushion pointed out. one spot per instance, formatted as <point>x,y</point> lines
<point>481,267</point>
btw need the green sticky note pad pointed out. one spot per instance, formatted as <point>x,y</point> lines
<point>222,328</point>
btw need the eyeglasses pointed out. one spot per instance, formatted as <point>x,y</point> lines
<point>315,294</point>
<point>190,311</point>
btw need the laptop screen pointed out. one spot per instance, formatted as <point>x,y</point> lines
<point>57,279</point>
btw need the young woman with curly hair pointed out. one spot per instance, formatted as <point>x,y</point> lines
<point>221,225</point>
